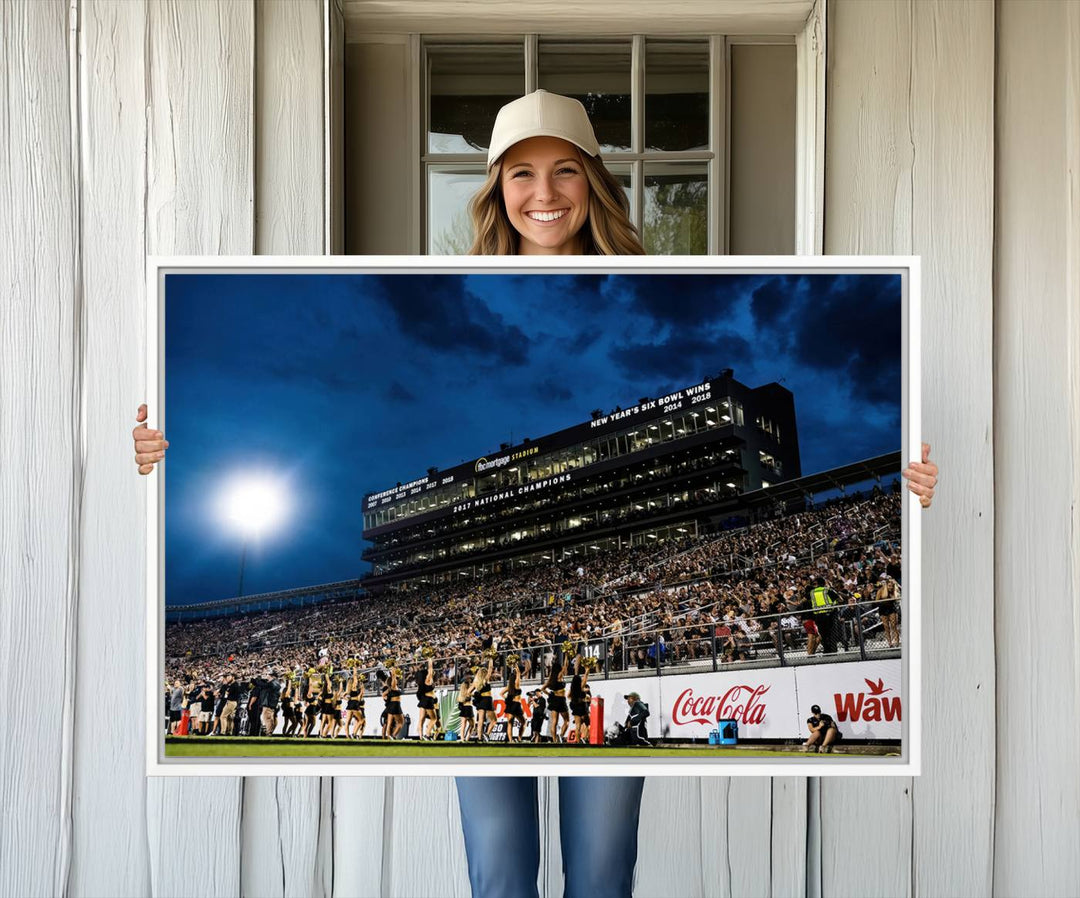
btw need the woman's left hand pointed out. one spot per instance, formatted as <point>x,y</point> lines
<point>922,477</point>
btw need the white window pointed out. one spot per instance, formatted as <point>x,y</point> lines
<point>692,126</point>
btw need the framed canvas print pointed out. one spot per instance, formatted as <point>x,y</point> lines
<point>497,515</point>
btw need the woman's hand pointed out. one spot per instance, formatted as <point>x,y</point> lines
<point>922,477</point>
<point>150,445</point>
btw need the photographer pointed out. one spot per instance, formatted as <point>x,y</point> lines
<point>823,731</point>
<point>634,731</point>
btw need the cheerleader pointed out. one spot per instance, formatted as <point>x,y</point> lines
<point>556,690</point>
<point>354,707</point>
<point>485,710</point>
<point>326,708</point>
<point>310,692</point>
<point>465,709</point>
<point>512,700</point>
<point>425,682</point>
<point>288,712</point>
<point>579,707</point>
<point>339,697</point>
<point>395,719</point>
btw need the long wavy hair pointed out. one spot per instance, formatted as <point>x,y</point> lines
<point>607,231</point>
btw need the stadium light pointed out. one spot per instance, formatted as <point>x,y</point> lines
<point>252,505</point>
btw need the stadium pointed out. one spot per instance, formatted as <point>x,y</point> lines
<point>664,555</point>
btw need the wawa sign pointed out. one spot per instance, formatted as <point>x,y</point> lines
<point>864,698</point>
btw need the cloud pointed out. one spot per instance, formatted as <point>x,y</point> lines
<point>398,393</point>
<point>851,325</point>
<point>684,300</point>
<point>439,313</point>
<point>549,389</point>
<point>680,359</point>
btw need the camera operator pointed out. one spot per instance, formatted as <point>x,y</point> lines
<point>634,731</point>
<point>823,731</point>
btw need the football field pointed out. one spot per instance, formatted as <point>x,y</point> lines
<point>235,747</point>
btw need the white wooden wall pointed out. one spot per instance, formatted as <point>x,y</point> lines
<point>190,126</point>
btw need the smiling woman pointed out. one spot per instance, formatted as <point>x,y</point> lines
<point>547,191</point>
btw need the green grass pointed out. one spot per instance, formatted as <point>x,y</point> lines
<point>377,748</point>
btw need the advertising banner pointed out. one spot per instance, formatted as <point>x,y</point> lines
<point>864,697</point>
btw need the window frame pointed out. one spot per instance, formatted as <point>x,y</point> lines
<point>809,108</point>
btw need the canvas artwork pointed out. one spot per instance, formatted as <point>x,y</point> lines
<point>471,517</point>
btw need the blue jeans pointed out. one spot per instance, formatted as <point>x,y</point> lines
<point>598,821</point>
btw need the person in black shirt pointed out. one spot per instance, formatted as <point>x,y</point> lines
<point>579,707</point>
<point>425,682</point>
<point>556,690</point>
<point>634,731</point>
<point>485,708</point>
<point>309,690</point>
<point>512,703</point>
<point>288,708</point>
<point>465,708</point>
<point>823,730</point>
<point>354,706</point>
<point>392,696</point>
<point>232,697</point>
<point>268,698</point>
<point>539,712</point>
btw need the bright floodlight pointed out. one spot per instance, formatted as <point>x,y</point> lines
<point>254,504</point>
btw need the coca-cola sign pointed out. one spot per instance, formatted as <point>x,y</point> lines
<point>741,702</point>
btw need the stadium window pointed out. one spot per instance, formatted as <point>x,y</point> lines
<point>699,129</point>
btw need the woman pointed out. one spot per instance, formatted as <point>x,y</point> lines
<point>556,690</point>
<point>425,682</point>
<point>327,704</point>
<point>288,712</point>
<point>512,702</point>
<point>339,697</point>
<point>885,597</point>
<point>485,710</point>
<point>311,705</point>
<point>395,718</point>
<point>579,707</point>
<point>547,193</point>
<point>354,706</point>
<point>465,708</point>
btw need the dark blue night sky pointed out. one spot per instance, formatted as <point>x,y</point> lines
<point>348,383</point>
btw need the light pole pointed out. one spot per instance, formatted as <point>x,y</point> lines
<point>253,505</point>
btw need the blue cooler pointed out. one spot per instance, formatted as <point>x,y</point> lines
<point>452,736</point>
<point>714,737</point>
<point>728,733</point>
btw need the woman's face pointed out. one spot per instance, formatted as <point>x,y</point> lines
<point>546,195</point>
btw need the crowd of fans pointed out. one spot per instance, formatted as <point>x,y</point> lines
<point>741,594</point>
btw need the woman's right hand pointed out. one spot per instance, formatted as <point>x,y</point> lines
<point>150,445</point>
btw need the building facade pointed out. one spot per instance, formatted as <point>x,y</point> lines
<point>665,467</point>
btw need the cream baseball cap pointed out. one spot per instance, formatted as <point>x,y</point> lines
<point>541,114</point>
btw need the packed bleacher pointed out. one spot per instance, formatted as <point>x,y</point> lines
<point>739,594</point>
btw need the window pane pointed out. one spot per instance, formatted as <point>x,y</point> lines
<point>676,95</point>
<point>623,176</point>
<point>467,84</point>
<point>676,209</point>
<point>597,74</point>
<point>449,192</point>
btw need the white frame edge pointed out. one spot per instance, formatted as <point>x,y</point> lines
<point>908,765</point>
